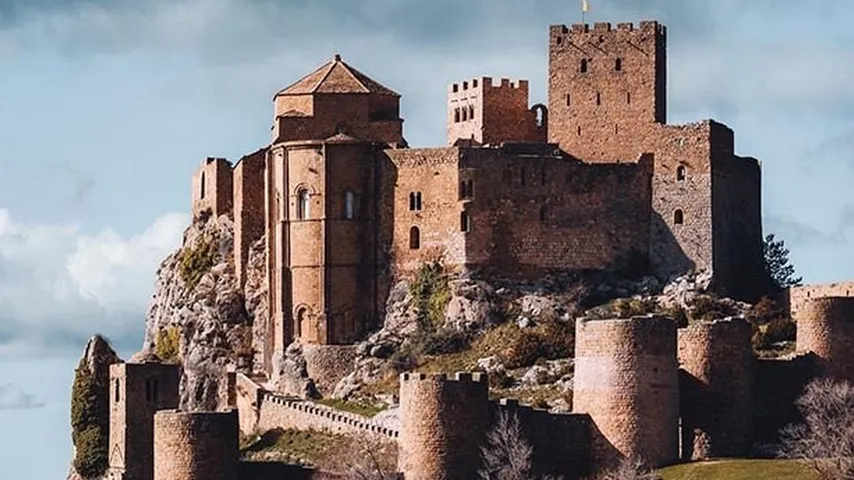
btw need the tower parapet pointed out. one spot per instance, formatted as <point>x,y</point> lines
<point>826,328</point>
<point>626,379</point>
<point>716,388</point>
<point>443,422</point>
<point>486,113</point>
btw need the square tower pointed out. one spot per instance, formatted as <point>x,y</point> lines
<point>607,87</point>
<point>491,114</point>
<point>212,187</point>
<point>138,389</point>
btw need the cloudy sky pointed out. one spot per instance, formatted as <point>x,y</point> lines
<point>106,108</point>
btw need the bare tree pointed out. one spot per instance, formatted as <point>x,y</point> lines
<point>629,469</point>
<point>363,458</point>
<point>825,439</point>
<point>506,454</point>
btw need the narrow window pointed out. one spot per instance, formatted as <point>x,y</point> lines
<point>471,112</point>
<point>118,392</point>
<point>465,222</point>
<point>628,97</point>
<point>202,187</point>
<point>579,130</point>
<point>349,205</point>
<point>543,213</point>
<point>411,201</point>
<point>466,190</point>
<point>303,204</point>
<point>616,128</point>
<point>598,98</point>
<point>474,83</point>
<point>618,64</point>
<point>583,65</point>
<point>678,217</point>
<point>418,201</point>
<point>523,175</point>
<point>298,324</point>
<point>414,238</point>
<point>456,87</point>
<point>568,100</point>
<point>680,173</point>
<point>465,113</point>
<point>470,188</point>
<point>456,115</point>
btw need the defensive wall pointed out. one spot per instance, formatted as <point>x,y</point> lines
<point>825,327</point>
<point>716,388</point>
<point>196,445</point>
<point>793,298</point>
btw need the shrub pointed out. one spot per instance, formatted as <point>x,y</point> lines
<point>167,344</point>
<point>88,427</point>
<point>780,330</point>
<point>443,341</point>
<point>706,308</point>
<point>432,294</point>
<point>552,341</point>
<point>765,311</point>
<point>197,261</point>
<point>678,314</point>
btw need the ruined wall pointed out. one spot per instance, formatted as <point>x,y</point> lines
<point>195,445</point>
<point>248,397</point>
<point>422,208</point>
<point>212,187</point>
<point>490,114</point>
<point>327,364</point>
<point>443,422</point>
<point>716,389</point>
<point>605,86</point>
<point>532,210</point>
<point>137,391</point>
<point>626,379</point>
<point>826,328</point>
<point>560,441</point>
<point>248,178</point>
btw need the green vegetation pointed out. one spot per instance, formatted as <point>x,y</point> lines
<point>167,344</point>
<point>740,470</point>
<point>196,261</point>
<point>772,326</point>
<point>88,428</point>
<point>777,264</point>
<point>359,408</point>
<point>302,446</point>
<point>432,294</point>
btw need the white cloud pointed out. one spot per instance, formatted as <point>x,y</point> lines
<point>13,398</point>
<point>59,285</point>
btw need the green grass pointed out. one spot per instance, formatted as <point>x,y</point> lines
<point>292,445</point>
<point>359,408</point>
<point>740,470</point>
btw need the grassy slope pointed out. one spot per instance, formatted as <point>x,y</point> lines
<point>740,470</point>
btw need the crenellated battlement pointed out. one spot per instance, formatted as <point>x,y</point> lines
<point>460,377</point>
<point>605,27</point>
<point>468,86</point>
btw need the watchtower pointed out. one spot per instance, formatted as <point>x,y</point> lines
<point>491,114</point>
<point>826,329</point>
<point>212,187</point>
<point>138,389</point>
<point>443,423</point>
<point>196,445</point>
<point>606,86</point>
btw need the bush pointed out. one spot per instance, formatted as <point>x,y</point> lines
<point>197,261</point>
<point>706,308</point>
<point>167,344</point>
<point>432,294</point>
<point>765,311</point>
<point>443,341</point>
<point>552,341</point>
<point>88,427</point>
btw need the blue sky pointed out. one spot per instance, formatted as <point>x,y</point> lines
<point>106,108</point>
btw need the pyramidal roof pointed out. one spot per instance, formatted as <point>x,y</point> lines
<point>336,76</point>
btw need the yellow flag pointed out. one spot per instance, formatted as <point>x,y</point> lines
<point>585,7</point>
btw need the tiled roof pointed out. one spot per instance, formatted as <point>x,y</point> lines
<point>336,76</point>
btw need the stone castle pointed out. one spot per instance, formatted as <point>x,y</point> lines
<point>594,180</point>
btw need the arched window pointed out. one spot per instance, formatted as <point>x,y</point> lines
<point>118,394</point>
<point>303,204</point>
<point>418,201</point>
<point>301,322</point>
<point>456,115</point>
<point>628,97</point>
<point>618,64</point>
<point>680,172</point>
<point>583,65</point>
<point>598,98</point>
<point>414,238</point>
<point>678,217</point>
<point>465,113</point>
<point>349,205</point>
<point>471,112</point>
<point>465,221</point>
<point>202,187</point>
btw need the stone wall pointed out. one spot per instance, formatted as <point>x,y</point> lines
<point>826,329</point>
<point>327,364</point>
<point>212,187</point>
<point>794,297</point>
<point>490,114</point>
<point>196,445</point>
<point>248,178</point>
<point>716,389</point>
<point>626,379</point>
<point>443,422</point>
<point>560,441</point>
<point>779,382</point>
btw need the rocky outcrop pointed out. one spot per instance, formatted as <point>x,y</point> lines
<point>97,357</point>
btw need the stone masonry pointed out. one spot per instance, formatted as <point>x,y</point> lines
<point>826,328</point>
<point>594,180</point>
<point>196,445</point>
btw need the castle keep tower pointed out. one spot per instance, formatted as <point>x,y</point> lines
<point>138,389</point>
<point>626,379</point>
<point>716,388</point>
<point>196,445</point>
<point>826,328</point>
<point>606,87</point>
<point>443,422</point>
<point>491,114</point>
<point>322,183</point>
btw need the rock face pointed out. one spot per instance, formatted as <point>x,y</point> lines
<point>97,358</point>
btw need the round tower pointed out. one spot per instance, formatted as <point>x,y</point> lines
<point>826,328</point>
<point>195,445</point>
<point>626,379</point>
<point>442,425</point>
<point>716,390</point>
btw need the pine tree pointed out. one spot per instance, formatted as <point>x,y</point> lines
<point>88,433</point>
<point>777,264</point>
